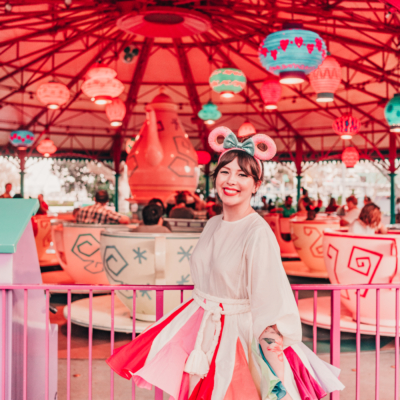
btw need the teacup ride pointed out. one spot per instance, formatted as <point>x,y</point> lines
<point>186,225</point>
<point>77,248</point>
<point>359,259</point>
<point>281,226</point>
<point>132,258</point>
<point>307,240</point>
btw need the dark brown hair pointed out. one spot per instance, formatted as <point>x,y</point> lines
<point>247,164</point>
<point>367,213</point>
<point>352,199</point>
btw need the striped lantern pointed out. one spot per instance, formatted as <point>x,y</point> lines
<point>350,157</point>
<point>227,81</point>
<point>326,79</point>
<point>271,92</point>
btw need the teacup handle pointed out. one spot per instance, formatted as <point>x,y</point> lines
<point>160,246</point>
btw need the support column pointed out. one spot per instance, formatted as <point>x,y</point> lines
<point>392,169</point>
<point>298,160</point>
<point>21,156</point>
<point>207,179</point>
<point>116,151</point>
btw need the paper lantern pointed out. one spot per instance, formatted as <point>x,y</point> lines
<point>100,84</point>
<point>209,113</point>
<point>53,94</point>
<point>116,111</point>
<point>271,92</point>
<point>346,126</point>
<point>46,147</point>
<point>392,113</point>
<point>292,53</point>
<point>227,81</point>
<point>326,79</point>
<point>350,157</point>
<point>246,129</point>
<point>203,157</point>
<point>22,139</point>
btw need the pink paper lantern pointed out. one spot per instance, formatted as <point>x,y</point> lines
<point>271,92</point>
<point>350,157</point>
<point>203,157</point>
<point>246,129</point>
<point>46,147</point>
<point>116,111</point>
<point>100,84</point>
<point>326,79</point>
<point>53,94</point>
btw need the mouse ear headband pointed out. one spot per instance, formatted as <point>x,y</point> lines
<point>250,146</point>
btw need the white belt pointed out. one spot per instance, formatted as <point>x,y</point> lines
<point>198,362</point>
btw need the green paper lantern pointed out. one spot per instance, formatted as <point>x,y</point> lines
<point>227,81</point>
<point>209,113</point>
<point>392,113</point>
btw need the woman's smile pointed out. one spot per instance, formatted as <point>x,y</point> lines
<point>230,191</point>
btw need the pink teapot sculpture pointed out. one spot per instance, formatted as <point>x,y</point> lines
<point>162,160</point>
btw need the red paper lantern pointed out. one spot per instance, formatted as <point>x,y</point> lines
<point>53,94</point>
<point>246,129</point>
<point>271,92</point>
<point>326,79</point>
<point>101,85</point>
<point>350,157</point>
<point>116,111</point>
<point>203,157</point>
<point>346,126</point>
<point>46,147</point>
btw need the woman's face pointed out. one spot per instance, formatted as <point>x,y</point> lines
<point>234,187</point>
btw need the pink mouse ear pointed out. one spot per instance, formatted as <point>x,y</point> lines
<point>221,131</point>
<point>270,150</point>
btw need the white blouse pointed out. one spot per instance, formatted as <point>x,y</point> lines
<point>241,260</point>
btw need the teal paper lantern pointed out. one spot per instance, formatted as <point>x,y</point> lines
<point>227,81</point>
<point>392,113</point>
<point>22,139</point>
<point>209,113</point>
<point>292,53</point>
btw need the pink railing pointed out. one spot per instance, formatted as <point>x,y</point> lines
<point>334,332</point>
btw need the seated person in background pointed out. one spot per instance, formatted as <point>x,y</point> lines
<point>18,196</point>
<point>333,206</point>
<point>397,210</point>
<point>265,205</point>
<point>352,212</point>
<point>160,203</point>
<point>367,200</point>
<point>369,221</point>
<point>75,212</point>
<point>180,210</point>
<point>288,209</point>
<point>152,220</point>
<point>43,207</point>
<point>312,208</point>
<point>215,209</point>
<point>7,193</point>
<point>99,214</point>
<point>196,203</point>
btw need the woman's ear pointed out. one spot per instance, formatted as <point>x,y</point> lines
<point>257,186</point>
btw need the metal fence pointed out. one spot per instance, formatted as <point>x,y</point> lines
<point>335,334</point>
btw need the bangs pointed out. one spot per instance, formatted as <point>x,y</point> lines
<point>247,164</point>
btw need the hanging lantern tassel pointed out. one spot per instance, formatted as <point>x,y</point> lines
<point>350,157</point>
<point>115,112</point>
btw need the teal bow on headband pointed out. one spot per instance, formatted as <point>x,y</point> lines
<point>231,142</point>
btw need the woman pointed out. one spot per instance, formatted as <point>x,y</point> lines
<point>369,221</point>
<point>240,335</point>
<point>333,206</point>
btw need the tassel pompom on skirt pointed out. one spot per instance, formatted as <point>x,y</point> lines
<point>202,351</point>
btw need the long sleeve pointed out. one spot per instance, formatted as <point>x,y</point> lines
<point>271,297</point>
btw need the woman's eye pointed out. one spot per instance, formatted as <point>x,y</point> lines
<point>243,175</point>
<point>223,172</point>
